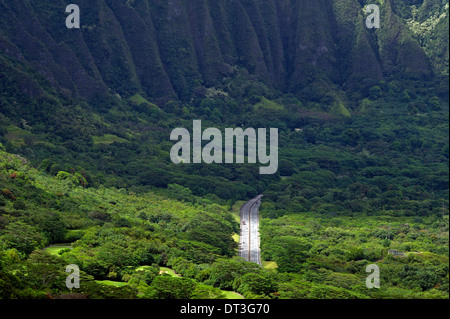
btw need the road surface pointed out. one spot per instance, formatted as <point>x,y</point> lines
<point>249,245</point>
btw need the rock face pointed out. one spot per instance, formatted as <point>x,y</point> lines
<point>166,48</point>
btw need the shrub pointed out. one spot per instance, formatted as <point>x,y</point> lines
<point>81,180</point>
<point>8,194</point>
<point>375,93</point>
<point>20,205</point>
<point>67,176</point>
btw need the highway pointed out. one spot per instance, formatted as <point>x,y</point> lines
<point>249,245</point>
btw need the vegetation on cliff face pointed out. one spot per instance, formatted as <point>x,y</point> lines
<point>167,48</point>
<point>429,23</point>
<point>105,97</point>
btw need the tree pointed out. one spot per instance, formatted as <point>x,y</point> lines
<point>45,271</point>
<point>207,292</point>
<point>10,286</point>
<point>435,104</point>
<point>53,227</point>
<point>260,283</point>
<point>225,271</point>
<point>144,277</point>
<point>168,287</point>
<point>351,137</point>
<point>290,253</point>
<point>214,230</point>
<point>67,176</point>
<point>23,237</point>
<point>375,93</point>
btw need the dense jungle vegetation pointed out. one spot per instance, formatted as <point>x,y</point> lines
<point>86,176</point>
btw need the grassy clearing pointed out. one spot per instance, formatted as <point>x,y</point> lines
<point>339,109</point>
<point>55,249</point>
<point>139,99</point>
<point>111,283</point>
<point>269,264</point>
<point>266,104</point>
<point>108,139</point>
<point>143,268</point>
<point>235,211</point>
<point>165,270</point>
<point>162,270</point>
<point>232,295</point>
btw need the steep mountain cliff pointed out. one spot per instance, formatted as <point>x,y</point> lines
<point>165,49</point>
<point>106,96</point>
